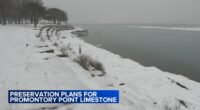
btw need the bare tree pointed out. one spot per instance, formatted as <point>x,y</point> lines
<point>37,10</point>
<point>56,15</point>
<point>4,10</point>
<point>28,11</point>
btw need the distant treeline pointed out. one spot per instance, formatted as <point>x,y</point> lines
<point>29,11</point>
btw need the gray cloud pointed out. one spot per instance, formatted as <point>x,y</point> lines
<point>130,11</point>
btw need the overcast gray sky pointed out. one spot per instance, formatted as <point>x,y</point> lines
<point>129,11</point>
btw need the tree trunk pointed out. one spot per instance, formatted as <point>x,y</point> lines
<point>0,20</point>
<point>4,20</point>
<point>35,21</point>
<point>26,21</point>
<point>15,21</point>
<point>31,20</point>
<point>19,20</point>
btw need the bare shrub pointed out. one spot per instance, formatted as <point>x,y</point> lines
<point>80,49</point>
<point>86,62</point>
<point>64,51</point>
<point>175,104</point>
<point>69,46</point>
<point>55,44</point>
<point>98,66</point>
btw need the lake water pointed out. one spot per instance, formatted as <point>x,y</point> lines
<point>176,50</point>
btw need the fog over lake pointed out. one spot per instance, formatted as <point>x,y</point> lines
<point>130,11</point>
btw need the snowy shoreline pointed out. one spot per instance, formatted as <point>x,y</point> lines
<point>141,88</point>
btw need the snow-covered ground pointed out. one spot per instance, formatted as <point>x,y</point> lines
<point>23,66</point>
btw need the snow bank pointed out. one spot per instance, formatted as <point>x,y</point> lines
<point>141,88</point>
